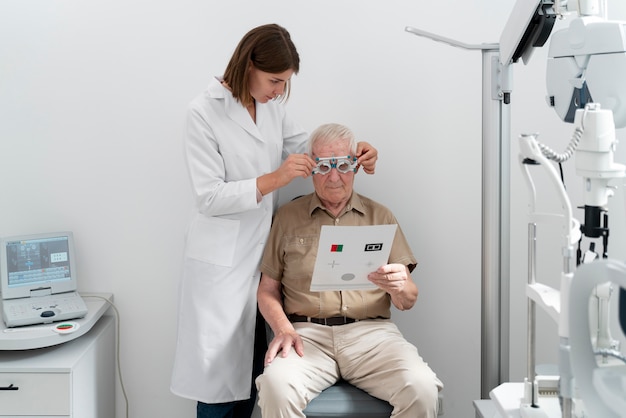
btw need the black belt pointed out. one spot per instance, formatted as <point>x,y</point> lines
<point>332,321</point>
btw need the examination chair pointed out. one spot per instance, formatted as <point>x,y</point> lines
<point>342,400</point>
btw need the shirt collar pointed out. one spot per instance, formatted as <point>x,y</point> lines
<point>355,203</point>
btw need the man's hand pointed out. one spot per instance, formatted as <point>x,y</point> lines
<point>395,279</point>
<point>282,343</point>
<point>391,278</point>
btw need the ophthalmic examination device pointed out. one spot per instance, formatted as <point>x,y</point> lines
<point>586,85</point>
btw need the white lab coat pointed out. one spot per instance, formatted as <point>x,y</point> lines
<point>226,151</point>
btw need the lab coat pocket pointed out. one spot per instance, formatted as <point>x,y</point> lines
<point>213,240</point>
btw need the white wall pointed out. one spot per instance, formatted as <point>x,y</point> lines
<point>92,102</point>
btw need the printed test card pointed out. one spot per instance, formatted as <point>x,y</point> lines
<point>347,254</point>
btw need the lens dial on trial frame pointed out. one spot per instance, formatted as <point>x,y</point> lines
<point>342,164</point>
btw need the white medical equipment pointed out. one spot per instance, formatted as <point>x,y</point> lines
<point>587,87</point>
<point>38,279</point>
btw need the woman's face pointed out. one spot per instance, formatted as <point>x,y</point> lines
<point>267,86</point>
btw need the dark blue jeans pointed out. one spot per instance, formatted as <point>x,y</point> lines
<point>238,409</point>
<point>241,409</point>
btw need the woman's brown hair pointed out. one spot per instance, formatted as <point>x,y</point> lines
<point>270,49</point>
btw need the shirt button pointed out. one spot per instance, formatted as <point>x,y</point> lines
<point>301,240</point>
<point>344,308</point>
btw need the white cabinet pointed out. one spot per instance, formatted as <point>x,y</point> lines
<point>73,379</point>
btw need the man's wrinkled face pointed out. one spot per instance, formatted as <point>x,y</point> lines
<point>334,187</point>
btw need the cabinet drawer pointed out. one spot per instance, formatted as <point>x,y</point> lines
<point>36,394</point>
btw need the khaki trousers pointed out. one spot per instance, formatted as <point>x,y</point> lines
<point>372,355</point>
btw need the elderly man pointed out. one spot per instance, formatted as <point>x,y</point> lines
<point>320,337</point>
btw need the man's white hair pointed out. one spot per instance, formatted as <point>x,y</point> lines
<point>329,133</point>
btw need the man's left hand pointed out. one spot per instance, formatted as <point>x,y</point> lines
<point>391,278</point>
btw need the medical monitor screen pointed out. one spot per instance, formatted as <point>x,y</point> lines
<point>37,262</point>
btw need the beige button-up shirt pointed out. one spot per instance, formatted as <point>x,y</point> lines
<point>291,250</point>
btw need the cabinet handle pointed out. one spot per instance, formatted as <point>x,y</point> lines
<point>10,387</point>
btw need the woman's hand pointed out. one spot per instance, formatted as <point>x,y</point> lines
<point>296,165</point>
<point>366,157</point>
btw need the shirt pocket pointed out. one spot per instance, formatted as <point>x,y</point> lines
<point>213,240</point>
<point>300,255</point>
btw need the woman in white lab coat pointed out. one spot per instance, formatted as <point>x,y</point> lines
<point>240,147</point>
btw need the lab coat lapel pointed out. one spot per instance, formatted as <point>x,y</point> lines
<point>240,116</point>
